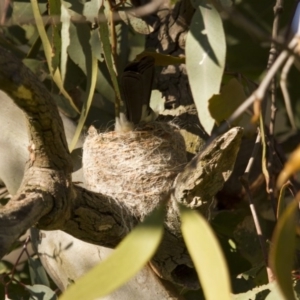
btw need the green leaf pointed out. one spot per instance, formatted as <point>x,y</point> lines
<point>205,59</point>
<point>96,45</point>
<point>129,257</point>
<point>104,35</point>
<point>38,274</point>
<point>283,250</point>
<point>281,201</point>
<point>222,106</point>
<point>267,292</point>
<point>56,76</point>
<point>40,292</point>
<point>92,78</point>
<point>206,254</point>
<point>54,11</point>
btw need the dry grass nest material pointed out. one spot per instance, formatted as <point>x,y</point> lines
<point>136,167</point>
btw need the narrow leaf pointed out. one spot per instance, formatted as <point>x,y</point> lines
<point>92,78</point>
<point>128,258</point>
<point>283,250</point>
<point>48,52</point>
<point>37,272</point>
<point>206,254</point>
<point>205,58</point>
<point>281,201</point>
<point>290,167</point>
<point>56,40</point>
<point>40,292</point>
<point>104,35</point>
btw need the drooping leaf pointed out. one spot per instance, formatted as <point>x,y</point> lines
<point>56,76</point>
<point>222,106</point>
<point>79,49</point>
<point>205,58</point>
<point>290,167</point>
<point>128,258</point>
<point>96,44</point>
<point>91,9</point>
<point>38,274</point>
<point>56,40</point>
<point>281,201</point>
<point>92,78</point>
<point>40,292</point>
<point>206,254</point>
<point>283,250</point>
<point>107,50</point>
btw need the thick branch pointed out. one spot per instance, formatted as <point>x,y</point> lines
<point>98,219</point>
<point>48,146</point>
<point>207,172</point>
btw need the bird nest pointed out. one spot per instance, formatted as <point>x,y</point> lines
<point>136,168</point>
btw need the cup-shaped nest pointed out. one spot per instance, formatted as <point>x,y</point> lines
<point>136,168</point>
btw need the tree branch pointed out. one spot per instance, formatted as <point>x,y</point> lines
<point>48,142</point>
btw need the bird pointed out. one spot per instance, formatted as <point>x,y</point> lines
<point>136,83</point>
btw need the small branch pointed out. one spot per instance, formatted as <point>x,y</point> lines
<point>259,93</point>
<point>258,229</point>
<point>22,212</point>
<point>285,92</point>
<point>245,182</point>
<point>268,160</point>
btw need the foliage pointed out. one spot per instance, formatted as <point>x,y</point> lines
<point>80,59</point>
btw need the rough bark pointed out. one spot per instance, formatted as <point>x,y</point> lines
<point>170,29</point>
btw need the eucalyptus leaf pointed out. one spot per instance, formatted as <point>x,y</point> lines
<point>222,106</point>
<point>95,43</point>
<point>37,272</point>
<point>105,39</point>
<point>92,78</point>
<point>40,292</point>
<point>205,58</point>
<point>283,250</point>
<point>56,76</point>
<point>129,257</point>
<point>54,11</point>
<point>206,254</point>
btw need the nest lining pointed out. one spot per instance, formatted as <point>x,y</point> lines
<point>137,168</point>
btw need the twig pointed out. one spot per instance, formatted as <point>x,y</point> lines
<point>259,93</point>
<point>245,182</point>
<point>268,161</point>
<point>285,93</point>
